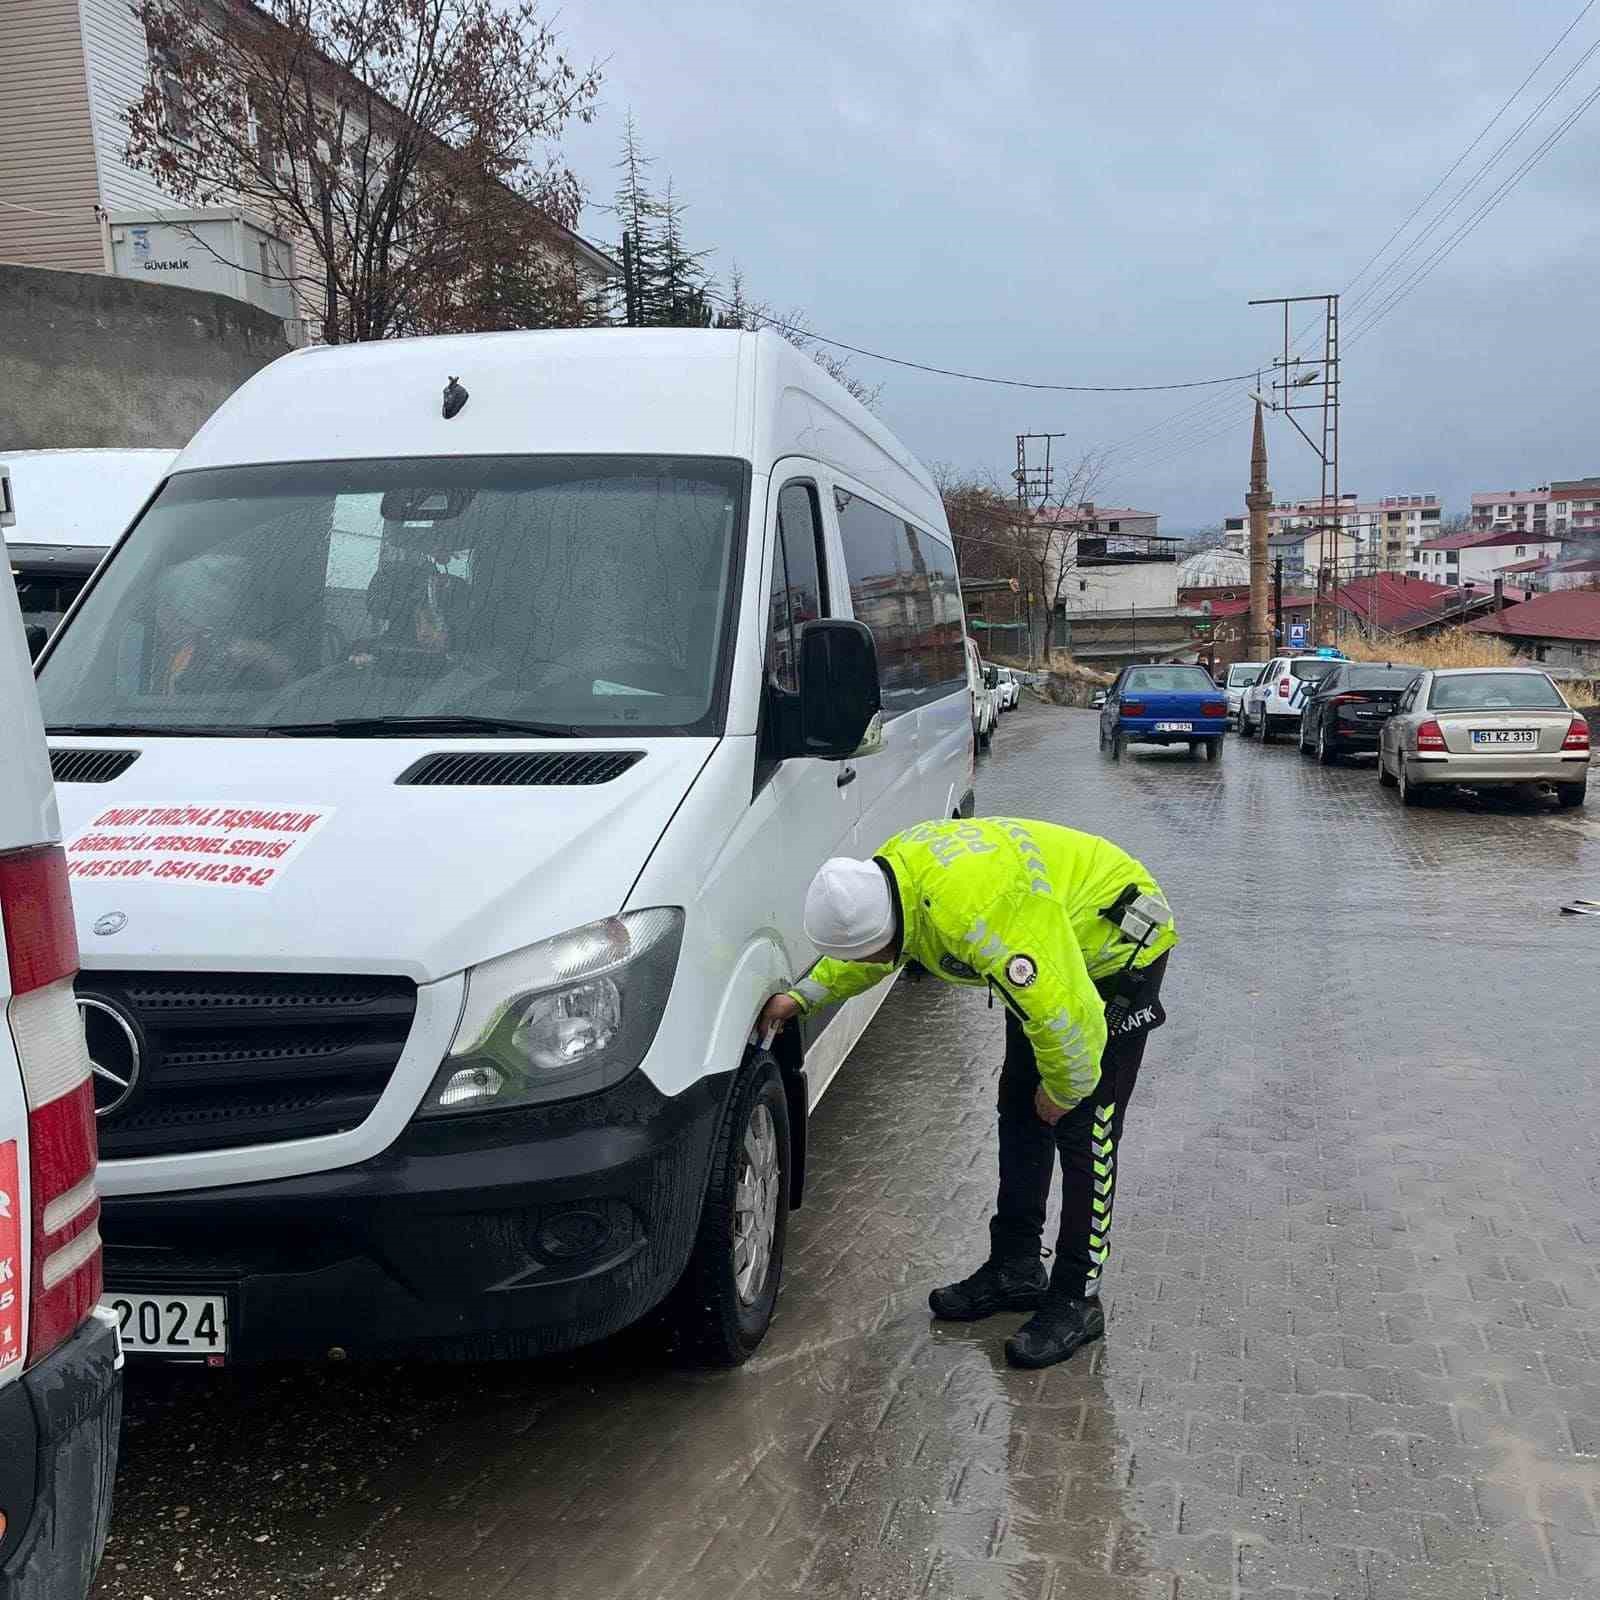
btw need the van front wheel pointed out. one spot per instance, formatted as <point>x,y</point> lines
<point>728,1291</point>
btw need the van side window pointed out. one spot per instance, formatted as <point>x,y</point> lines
<point>903,586</point>
<point>798,595</point>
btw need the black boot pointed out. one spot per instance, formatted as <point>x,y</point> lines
<point>995,1286</point>
<point>1054,1331</point>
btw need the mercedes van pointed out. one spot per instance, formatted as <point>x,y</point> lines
<point>444,755</point>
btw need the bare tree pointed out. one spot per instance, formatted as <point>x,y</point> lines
<point>411,146</point>
<point>740,310</point>
<point>1063,519</point>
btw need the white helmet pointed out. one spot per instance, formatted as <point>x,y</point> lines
<point>849,910</point>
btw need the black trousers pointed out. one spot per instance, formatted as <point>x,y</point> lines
<point>1086,1139</point>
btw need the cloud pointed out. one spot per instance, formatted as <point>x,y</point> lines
<point>1091,194</point>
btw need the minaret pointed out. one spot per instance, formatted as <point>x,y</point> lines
<point>1258,502</point>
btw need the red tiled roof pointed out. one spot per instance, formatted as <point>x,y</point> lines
<point>1563,614</point>
<point>1229,608</point>
<point>1537,564</point>
<point>1481,540</point>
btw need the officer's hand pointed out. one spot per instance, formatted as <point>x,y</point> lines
<point>1049,1112</point>
<point>775,1013</point>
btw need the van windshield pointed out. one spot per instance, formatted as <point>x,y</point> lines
<point>588,593</point>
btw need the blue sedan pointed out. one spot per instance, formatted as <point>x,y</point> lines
<point>1164,705</point>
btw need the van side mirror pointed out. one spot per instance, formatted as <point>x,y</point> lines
<point>37,638</point>
<point>841,705</point>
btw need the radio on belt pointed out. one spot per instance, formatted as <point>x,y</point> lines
<point>1143,917</point>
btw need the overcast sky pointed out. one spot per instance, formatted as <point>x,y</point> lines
<point>1077,194</point>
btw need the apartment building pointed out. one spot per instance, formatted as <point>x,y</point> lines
<point>1524,511</point>
<point>1478,558</point>
<point>1575,506</point>
<point>71,200</point>
<point>1374,535</point>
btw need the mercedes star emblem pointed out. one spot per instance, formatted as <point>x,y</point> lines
<point>114,1052</point>
<point>111,922</point>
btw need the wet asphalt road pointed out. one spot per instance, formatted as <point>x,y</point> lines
<point>1354,1305</point>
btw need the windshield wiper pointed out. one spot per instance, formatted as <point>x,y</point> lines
<point>398,727</point>
<point>135,730</point>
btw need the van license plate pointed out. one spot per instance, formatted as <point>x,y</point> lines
<point>1174,727</point>
<point>190,1327</point>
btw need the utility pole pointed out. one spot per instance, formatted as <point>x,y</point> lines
<point>1033,482</point>
<point>1316,391</point>
<point>1258,502</point>
<point>630,290</point>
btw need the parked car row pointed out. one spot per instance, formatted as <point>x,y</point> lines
<point>1433,730</point>
<point>993,691</point>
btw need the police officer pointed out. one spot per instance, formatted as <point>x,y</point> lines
<point>1072,935</point>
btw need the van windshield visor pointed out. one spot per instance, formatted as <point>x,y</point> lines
<point>476,595</point>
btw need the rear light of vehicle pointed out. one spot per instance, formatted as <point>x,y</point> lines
<point>1214,708</point>
<point>1577,735</point>
<point>42,951</point>
<point>1133,708</point>
<point>1430,736</point>
<point>1285,688</point>
<point>1351,699</point>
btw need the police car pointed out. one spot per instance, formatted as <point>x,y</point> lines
<point>1274,702</point>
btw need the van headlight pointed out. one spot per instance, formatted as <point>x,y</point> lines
<point>566,1016</point>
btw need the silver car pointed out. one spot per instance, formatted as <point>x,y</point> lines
<point>1240,676</point>
<point>1481,727</point>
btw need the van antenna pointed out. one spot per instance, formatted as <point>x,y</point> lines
<point>454,398</point>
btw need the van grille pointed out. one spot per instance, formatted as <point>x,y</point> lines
<point>240,1058</point>
<point>90,766</point>
<point>521,768</point>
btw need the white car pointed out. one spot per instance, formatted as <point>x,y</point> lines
<point>985,707</point>
<point>436,855</point>
<point>70,507</point>
<point>1241,674</point>
<point>1010,689</point>
<point>60,1388</point>
<point>1274,703</point>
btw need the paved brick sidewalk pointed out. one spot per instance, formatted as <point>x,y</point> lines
<point>1354,1342</point>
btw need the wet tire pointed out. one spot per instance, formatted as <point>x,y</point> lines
<point>1385,776</point>
<point>1326,754</point>
<point>1411,794</point>
<point>1569,795</point>
<point>1264,731</point>
<point>724,1302</point>
<point>1214,749</point>
<point>985,739</point>
<point>1116,746</point>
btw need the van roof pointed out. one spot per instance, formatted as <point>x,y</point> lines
<point>80,497</point>
<point>586,391</point>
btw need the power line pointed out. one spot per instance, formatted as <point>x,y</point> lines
<point>1478,216</point>
<point>1368,294</point>
<point>805,332</point>
<point>1482,135</point>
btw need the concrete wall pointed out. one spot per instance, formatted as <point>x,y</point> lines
<point>87,359</point>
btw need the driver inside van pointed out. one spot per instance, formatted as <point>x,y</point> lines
<point>418,608</point>
<point>197,649</point>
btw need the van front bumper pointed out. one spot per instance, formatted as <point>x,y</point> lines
<point>492,1234</point>
<point>58,1455</point>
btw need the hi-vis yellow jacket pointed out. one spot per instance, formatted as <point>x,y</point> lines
<point>1017,906</point>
